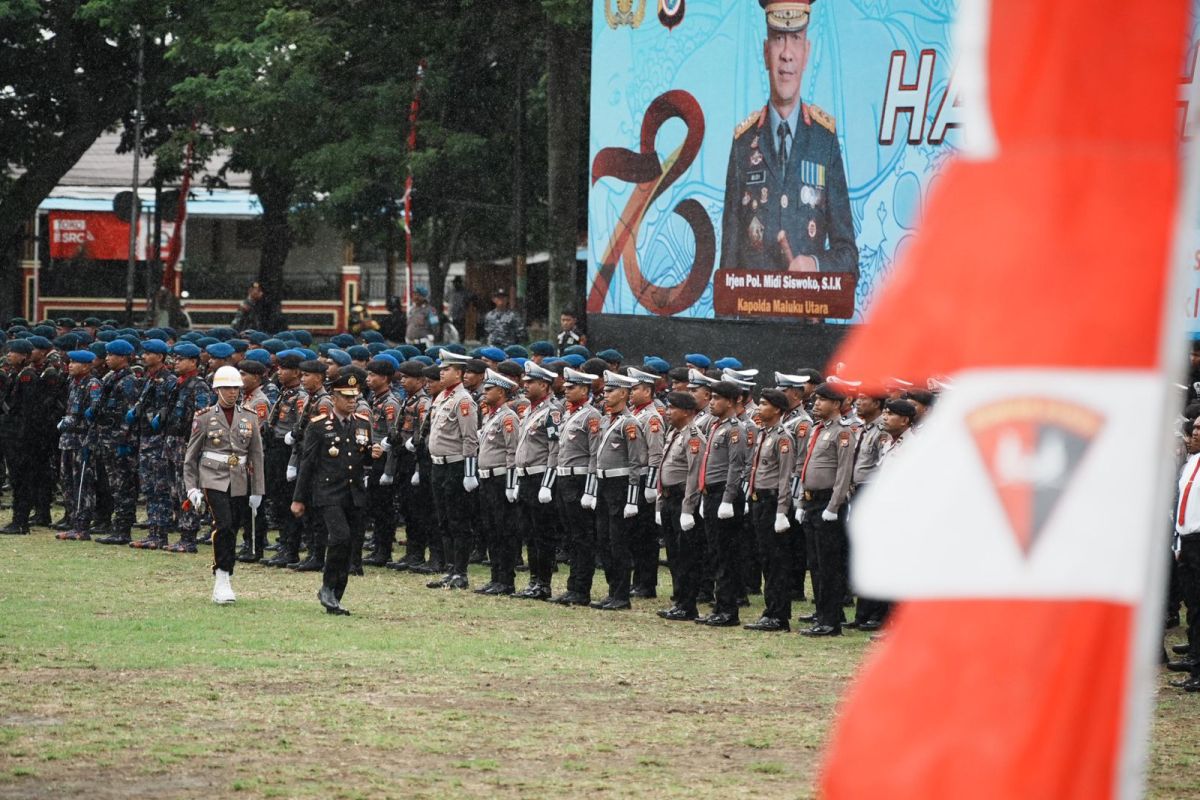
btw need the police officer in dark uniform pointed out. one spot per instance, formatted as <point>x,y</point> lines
<point>283,420</point>
<point>334,457</point>
<point>18,410</point>
<point>787,206</point>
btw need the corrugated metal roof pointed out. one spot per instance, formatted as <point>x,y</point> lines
<point>101,165</point>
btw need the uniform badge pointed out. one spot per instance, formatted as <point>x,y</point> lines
<point>746,199</point>
<point>801,430</point>
<point>756,158</point>
<point>784,447</point>
<point>509,426</point>
<point>594,425</point>
<point>631,432</point>
<point>783,201</point>
<point>694,444</point>
<point>764,196</point>
<point>733,438</point>
<point>389,412</point>
<point>333,452</point>
<point>756,233</point>
<point>750,437</point>
<point>844,438</point>
<point>655,424</point>
<point>754,143</point>
<point>244,427</point>
<point>464,408</point>
<point>812,229</point>
<point>758,176</point>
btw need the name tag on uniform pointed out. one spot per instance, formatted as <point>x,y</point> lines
<point>757,176</point>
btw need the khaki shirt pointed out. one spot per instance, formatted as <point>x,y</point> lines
<point>223,456</point>
<point>827,461</point>
<point>771,466</point>
<point>870,447</point>
<point>454,425</point>
<point>258,404</point>
<point>537,445</point>
<point>620,445</point>
<point>680,470</point>
<point>650,418</point>
<point>577,436</point>
<point>725,457</point>
<point>498,439</point>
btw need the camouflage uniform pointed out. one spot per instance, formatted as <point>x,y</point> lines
<point>154,468</point>
<point>117,445</point>
<point>190,395</point>
<point>76,445</point>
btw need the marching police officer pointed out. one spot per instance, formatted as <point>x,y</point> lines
<point>769,487</point>
<point>678,503</point>
<point>498,442</point>
<point>223,470</point>
<point>536,460</point>
<point>576,440</point>
<point>453,448</point>
<point>332,466</point>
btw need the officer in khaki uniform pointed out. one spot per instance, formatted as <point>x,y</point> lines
<point>769,487</point>
<point>498,480</point>
<point>453,447</point>
<point>678,502</point>
<point>826,469</point>
<point>576,439</point>
<point>223,470</point>
<point>646,532</point>
<point>335,455</point>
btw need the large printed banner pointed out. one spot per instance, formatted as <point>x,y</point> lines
<point>102,236</point>
<point>694,213</point>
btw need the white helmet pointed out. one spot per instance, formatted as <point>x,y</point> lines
<point>227,377</point>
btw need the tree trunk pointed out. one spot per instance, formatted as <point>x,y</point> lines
<point>275,194</point>
<point>564,98</point>
<point>518,186</point>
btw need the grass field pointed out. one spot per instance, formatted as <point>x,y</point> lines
<point>119,679</point>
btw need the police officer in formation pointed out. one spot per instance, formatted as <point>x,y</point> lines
<point>571,453</point>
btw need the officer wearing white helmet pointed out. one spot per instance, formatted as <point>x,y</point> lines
<point>223,471</point>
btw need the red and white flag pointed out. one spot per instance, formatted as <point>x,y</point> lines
<point>1025,532</point>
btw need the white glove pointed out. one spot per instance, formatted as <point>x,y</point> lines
<point>725,511</point>
<point>746,507</point>
<point>799,515</point>
<point>410,447</point>
<point>291,474</point>
<point>658,518</point>
<point>781,523</point>
<point>385,479</point>
<point>196,497</point>
<point>588,501</point>
<point>630,511</point>
<point>289,439</point>
<point>510,495</point>
<point>829,516</point>
<point>255,501</point>
<point>700,508</point>
<point>687,522</point>
<point>650,493</point>
<point>366,481</point>
<point>544,495</point>
<point>470,484</point>
<point>386,445</point>
<point>517,492</point>
<point>416,478</point>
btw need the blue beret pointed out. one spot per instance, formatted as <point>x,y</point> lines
<point>521,361</point>
<point>258,337</point>
<point>192,336</point>
<point>81,336</point>
<point>99,348</point>
<point>578,350</point>
<point>239,345</point>
<point>433,351</point>
<point>309,355</point>
<point>456,348</point>
<point>119,347</point>
<point>324,347</point>
<point>339,357</point>
<point>372,337</point>
<point>303,337</point>
<point>155,346</point>
<point>492,353</point>
<point>82,356</point>
<point>274,345</point>
<point>698,360</point>
<point>20,346</point>
<point>515,351</point>
<point>156,333</point>
<point>375,348</point>
<point>610,355</point>
<point>397,353</point>
<point>222,334</point>
<point>541,349</point>
<point>40,343</point>
<point>359,353</point>
<point>287,336</point>
<point>169,331</point>
<point>552,362</point>
<point>574,360</point>
<point>205,341</point>
<point>395,362</point>
<point>134,341</point>
<point>728,362</point>
<point>186,350</point>
<point>220,350</point>
<point>342,341</point>
<point>408,351</point>
<point>259,355</point>
<point>426,360</point>
<point>106,336</point>
<point>134,332</point>
<point>656,365</point>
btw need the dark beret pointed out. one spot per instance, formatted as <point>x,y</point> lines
<point>253,367</point>
<point>289,361</point>
<point>432,373</point>
<point>919,396</point>
<point>775,398</point>
<point>381,366</point>
<point>412,369</point>
<point>727,390</point>
<point>313,366</point>
<point>901,408</point>
<point>829,392</point>
<point>476,366</point>
<point>594,366</point>
<point>510,369</point>
<point>683,400</point>
<point>678,374</point>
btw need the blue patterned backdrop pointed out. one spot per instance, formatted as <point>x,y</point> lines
<point>716,55</point>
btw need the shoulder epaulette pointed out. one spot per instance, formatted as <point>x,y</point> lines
<point>318,418</point>
<point>821,118</point>
<point>362,415</point>
<point>749,122</point>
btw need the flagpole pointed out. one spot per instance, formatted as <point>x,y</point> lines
<point>413,113</point>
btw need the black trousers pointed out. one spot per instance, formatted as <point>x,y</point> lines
<point>499,525</point>
<point>450,504</point>
<point>580,525</point>
<point>19,458</point>
<point>828,543</point>
<point>275,461</point>
<point>540,528</point>
<point>775,553</point>
<point>226,511</point>
<point>344,525</point>
<point>644,547</point>
<point>724,544</point>
<point>613,534</point>
<point>381,502</point>
<point>685,549</point>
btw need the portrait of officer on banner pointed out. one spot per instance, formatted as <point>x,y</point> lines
<point>786,202</point>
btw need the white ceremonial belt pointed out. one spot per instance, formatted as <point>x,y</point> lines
<point>228,459</point>
<point>564,472</point>
<point>441,460</point>
<point>613,473</point>
<point>497,472</point>
<point>523,471</point>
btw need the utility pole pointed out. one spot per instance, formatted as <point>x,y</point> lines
<point>136,212</point>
